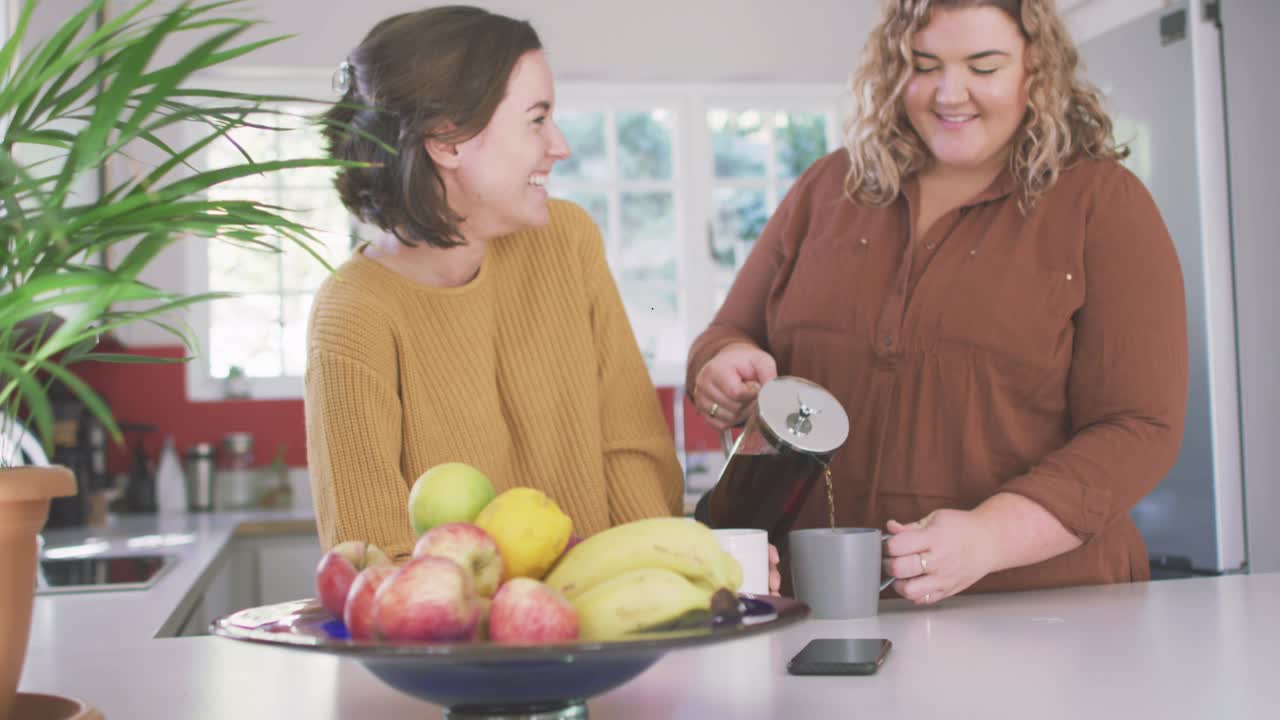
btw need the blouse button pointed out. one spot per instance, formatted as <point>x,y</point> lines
<point>929,246</point>
<point>862,241</point>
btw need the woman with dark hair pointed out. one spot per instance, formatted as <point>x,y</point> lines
<point>993,297</point>
<point>482,325</point>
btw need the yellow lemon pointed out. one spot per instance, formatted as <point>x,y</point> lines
<point>530,529</point>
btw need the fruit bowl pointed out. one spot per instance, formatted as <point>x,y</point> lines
<point>479,680</point>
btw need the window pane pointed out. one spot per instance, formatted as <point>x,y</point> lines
<point>648,227</point>
<point>595,203</point>
<point>245,331</point>
<point>297,308</point>
<point>647,268</point>
<point>585,133</point>
<point>739,143</point>
<point>801,139</point>
<point>237,267</point>
<point>740,215</point>
<point>644,145</point>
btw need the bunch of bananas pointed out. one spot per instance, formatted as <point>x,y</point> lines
<point>643,574</point>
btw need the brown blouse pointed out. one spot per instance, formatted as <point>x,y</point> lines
<point>1042,354</point>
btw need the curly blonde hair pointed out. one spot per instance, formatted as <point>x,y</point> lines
<point>1064,117</point>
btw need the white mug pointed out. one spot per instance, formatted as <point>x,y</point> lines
<point>750,548</point>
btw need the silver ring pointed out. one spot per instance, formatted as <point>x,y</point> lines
<point>924,564</point>
<point>715,408</point>
<point>926,598</point>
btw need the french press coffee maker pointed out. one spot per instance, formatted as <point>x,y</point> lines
<point>785,448</point>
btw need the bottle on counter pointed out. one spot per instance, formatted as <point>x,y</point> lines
<point>171,484</point>
<point>237,478</point>
<point>201,459</point>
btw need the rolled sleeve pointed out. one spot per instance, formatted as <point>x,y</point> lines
<point>1127,386</point>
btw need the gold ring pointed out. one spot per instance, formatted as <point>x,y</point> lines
<point>715,408</point>
<point>924,564</point>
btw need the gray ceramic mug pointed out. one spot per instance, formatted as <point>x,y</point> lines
<point>836,572</point>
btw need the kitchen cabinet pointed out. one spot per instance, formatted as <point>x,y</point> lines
<point>257,568</point>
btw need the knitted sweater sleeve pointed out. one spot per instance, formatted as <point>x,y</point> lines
<point>353,419</point>
<point>643,475</point>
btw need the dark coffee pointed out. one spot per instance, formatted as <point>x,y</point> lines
<point>766,492</point>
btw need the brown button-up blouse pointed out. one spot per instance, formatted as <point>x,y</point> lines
<point>1043,354</point>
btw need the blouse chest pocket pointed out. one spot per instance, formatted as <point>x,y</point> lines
<point>1023,315</point>
<point>825,289</point>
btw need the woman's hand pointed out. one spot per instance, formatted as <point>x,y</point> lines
<point>775,577</point>
<point>726,386</point>
<point>939,555</point>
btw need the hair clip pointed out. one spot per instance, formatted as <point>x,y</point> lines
<point>344,77</point>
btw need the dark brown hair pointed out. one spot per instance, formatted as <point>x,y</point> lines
<point>437,73</point>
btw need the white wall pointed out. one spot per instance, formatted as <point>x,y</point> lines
<point>656,40</point>
<point>1089,18</point>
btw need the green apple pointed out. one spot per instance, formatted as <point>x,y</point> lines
<point>449,492</point>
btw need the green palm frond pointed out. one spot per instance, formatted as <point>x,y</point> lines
<point>76,99</point>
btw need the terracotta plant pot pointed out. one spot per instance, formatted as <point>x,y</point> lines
<point>24,506</point>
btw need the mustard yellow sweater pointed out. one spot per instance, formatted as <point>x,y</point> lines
<point>530,373</point>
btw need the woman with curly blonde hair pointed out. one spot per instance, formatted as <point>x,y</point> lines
<point>993,297</point>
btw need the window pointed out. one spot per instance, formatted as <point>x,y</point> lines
<point>262,329</point>
<point>625,171</point>
<point>679,179</point>
<point>756,153</point>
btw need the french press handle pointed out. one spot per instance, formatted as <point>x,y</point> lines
<point>726,442</point>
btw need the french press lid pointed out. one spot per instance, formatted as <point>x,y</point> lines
<point>802,415</point>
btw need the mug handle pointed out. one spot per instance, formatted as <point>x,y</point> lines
<point>889,580</point>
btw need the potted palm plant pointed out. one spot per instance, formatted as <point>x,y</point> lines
<point>71,266</point>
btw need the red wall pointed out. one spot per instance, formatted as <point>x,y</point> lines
<point>156,395</point>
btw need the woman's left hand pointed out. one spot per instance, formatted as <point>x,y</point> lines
<point>939,555</point>
<point>775,577</point>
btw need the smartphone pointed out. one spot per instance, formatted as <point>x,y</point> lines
<point>831,656</point>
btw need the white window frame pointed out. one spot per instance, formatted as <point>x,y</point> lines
<point>692,182</point>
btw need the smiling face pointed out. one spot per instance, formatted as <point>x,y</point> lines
<point>497,181</point>
<point>967,94</point>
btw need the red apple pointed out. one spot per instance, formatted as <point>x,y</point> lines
<point>429,599</point>
<point>469,546</point>
<point>358,614</point>
<point>528,611</point>
<point>338,569</point>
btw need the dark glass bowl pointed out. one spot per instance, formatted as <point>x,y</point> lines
<point>483,679</point>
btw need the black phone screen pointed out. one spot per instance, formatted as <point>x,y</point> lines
<point>831,656</point>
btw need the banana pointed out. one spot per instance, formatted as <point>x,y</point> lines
<point>635,600</point>
<point>683,546</point>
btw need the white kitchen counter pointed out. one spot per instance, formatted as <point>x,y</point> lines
<point>1197,648</point>
<point>128,617</point>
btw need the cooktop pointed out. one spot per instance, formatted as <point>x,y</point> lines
<point>128,572</point>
